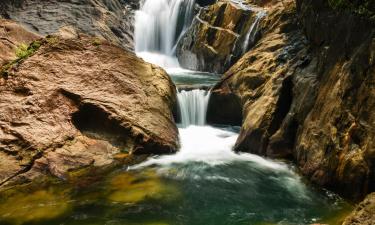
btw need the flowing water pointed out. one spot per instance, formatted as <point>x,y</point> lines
<point>253,30</point>
<point>205,183</point>
<point>158,26</point>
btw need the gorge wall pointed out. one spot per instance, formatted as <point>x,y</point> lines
<point>109,19</point>
<point>307,93</point>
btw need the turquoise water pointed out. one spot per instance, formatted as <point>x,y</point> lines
<point>187,77</point>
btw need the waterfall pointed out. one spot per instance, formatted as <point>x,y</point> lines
<point>193,106</point>
<point>158,25</point>
<point>252,32</point>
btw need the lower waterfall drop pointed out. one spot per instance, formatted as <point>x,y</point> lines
<point>193,106</point>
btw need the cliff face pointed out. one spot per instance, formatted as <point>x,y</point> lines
<point>109,19</point>
<point>307,93</point>
<point>335,145</point>
<point>218,36</point>
<point>72,103</point>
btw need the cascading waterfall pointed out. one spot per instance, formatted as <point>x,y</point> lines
<point>253,30</point>
<point>193,106</point>
<point>158,25</point>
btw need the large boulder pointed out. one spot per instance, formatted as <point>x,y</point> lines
<point>73,103</point>
<point>307,94</point>
<point>218,36</point>
<point>109,19</point>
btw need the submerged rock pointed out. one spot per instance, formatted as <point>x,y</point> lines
<point>108,19</point>
<point>80,102</point>
<point>218,36</point>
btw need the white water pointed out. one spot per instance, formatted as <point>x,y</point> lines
<point>253,30</point>
<point>156,32</point>
<point>193,106</point>
<point>158,24</point>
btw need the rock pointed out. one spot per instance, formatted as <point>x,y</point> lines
<point>12,35</point>
<point>80,102</point>
<point>232,115</point>
<point>335,144</point>
<point>108,19</point>
<point>216,37</point>
<point>309,96</point>
<point>364,213</point>
<point>262,81</point>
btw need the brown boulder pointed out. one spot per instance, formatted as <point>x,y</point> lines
<point>80,102</point>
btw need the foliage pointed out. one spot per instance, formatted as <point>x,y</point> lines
<point>23,51</point>
<point>361,7</point>
<point>96,42</point>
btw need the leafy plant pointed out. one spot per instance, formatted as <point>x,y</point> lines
<point>23,51</point>
<point>361,7</point>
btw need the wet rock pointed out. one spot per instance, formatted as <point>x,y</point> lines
<point>86,102</point>
<point>364,213</point>
<point>108,19</point>
<point>216,37</point>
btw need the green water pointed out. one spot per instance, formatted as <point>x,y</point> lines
<point>193,187</point>
<point>186,77</point>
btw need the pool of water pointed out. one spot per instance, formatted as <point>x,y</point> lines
<point>205,183</point>
<point>188,77</point>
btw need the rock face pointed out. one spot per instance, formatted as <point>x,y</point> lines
<point>218,36</point>
<point>109,19</point>
<point>12,35</point>
<point>364,213</point>
<point>309,96</point>
<point>60,111</point>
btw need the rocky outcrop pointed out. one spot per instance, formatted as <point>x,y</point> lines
<point>262,81</point>
<point>12,35</point>
<point>335,146</point>
<point>60,111</point>
<point>109,19</point>
<point>307,93</point>
<point>364,213</point>
<point>218,36</point>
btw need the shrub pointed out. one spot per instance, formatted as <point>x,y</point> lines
<point>361,7</point>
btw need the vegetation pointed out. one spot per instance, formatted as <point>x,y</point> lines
<point>362,7</point>
<point>23,51</point>
<point>96,42</point>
